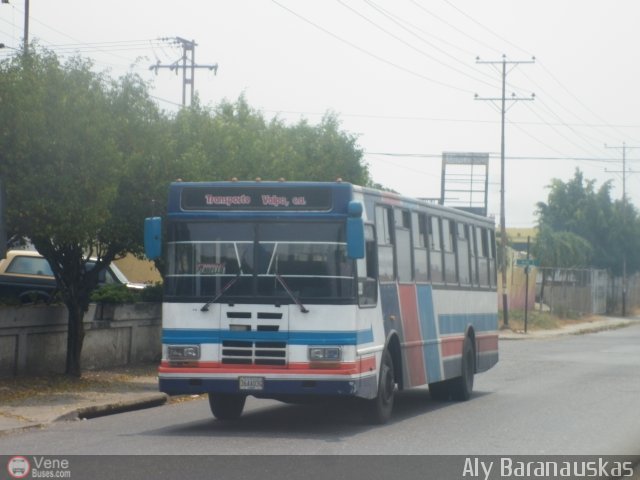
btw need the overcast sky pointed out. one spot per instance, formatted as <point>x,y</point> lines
<point>400,74</point>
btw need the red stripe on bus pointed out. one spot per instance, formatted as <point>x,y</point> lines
<point>487,342</point>
<point>412,334</point>
<point>452,346</point>
<point>365,365</point>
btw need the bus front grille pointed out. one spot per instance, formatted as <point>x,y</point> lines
<point>240,352</point>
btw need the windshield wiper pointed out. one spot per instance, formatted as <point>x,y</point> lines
<point>303,309</point>
<point>230,283</point>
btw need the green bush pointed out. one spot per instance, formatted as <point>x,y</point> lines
<point>114,294</point>
<point>152,293</point>
<point>10,301</point>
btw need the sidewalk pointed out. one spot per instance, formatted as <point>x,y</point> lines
<point>36,402</point>
<point>33,402</point>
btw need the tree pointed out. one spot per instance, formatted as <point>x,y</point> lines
<point>86,158</point>
<point>235,140</point>
<point>72,141</point>
<point>559,250</point>
<point>610,228</point>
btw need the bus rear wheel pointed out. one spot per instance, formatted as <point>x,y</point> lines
<point>462,386</point>
<point>378,410</point>
<point>458,388</point>
<point>226,406</point>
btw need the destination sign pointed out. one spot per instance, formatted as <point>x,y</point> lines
<point>256,198</point>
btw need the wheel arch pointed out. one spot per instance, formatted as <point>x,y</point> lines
<point>34,296</point>
<point>392,345</point>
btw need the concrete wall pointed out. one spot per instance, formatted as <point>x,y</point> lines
<point>33,339</point>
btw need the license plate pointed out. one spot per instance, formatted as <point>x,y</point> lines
<point>251,383</point>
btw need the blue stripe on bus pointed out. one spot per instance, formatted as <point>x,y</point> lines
<point>189,336</point>
<point>457,323</point>
<point>431,348</point>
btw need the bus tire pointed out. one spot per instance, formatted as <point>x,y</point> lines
<point>378,410</point>
<point>462,386</point>
<point>226,406</point>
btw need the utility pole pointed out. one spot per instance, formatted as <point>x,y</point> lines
<point>188,65</point>
<point>26,27</point>
<point>503,110</point>
<point>26,24</point>
<point>624,148</point>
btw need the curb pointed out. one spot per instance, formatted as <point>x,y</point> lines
<point>582,330</point>
<point>22,428</point>
<point>94,411</point>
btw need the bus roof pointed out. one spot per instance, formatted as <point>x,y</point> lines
<point>251,198</point>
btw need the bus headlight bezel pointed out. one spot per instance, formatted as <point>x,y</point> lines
<point>183,353</point>
<point>325,354</point>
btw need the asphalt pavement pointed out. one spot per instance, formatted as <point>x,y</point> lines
<point>132,392</point>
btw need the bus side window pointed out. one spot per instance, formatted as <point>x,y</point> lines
<point>492,255</point>
<point>367,270</point>
<point>463,253</point>
<point>473,246</point>
<point>448,246</point>
<point>435,249</point>
<point>420,258</point>
<point>403,245</point>
<point>386,252</point>
<point>483,257</point>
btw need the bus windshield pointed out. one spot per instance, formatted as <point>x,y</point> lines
<point>310,257</point>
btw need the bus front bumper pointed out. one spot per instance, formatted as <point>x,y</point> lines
<point>365,387</point>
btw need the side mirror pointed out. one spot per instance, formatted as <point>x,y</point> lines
<point>355,231</point>
<point>153,237</point>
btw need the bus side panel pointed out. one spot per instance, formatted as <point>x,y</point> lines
<point>457,311</point>
<point>431,325</point>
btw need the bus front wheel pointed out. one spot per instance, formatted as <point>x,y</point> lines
<point>226,406</point>
<point>378,410</point>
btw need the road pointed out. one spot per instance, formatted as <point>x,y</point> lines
<point>561,396</point>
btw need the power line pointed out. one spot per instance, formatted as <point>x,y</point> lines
<point>579,146</point>
<point>501,38</point>
<point>449,24</point>
<point>507,157</point>
<point>368,53</point>
<point>393,18</point>
<point>540,90</point>
<point>442,119</point>
<point>418,28</point>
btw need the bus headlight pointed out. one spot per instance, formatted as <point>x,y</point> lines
<point>183,353</point>
<point>325,354</point>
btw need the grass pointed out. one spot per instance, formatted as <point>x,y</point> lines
<point>537,320</point>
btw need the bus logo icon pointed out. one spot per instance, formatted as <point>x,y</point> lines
<point>18,467</point>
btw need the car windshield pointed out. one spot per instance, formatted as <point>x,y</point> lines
<point>310,257</point>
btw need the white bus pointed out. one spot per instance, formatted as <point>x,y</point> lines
<point>286,290</point>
